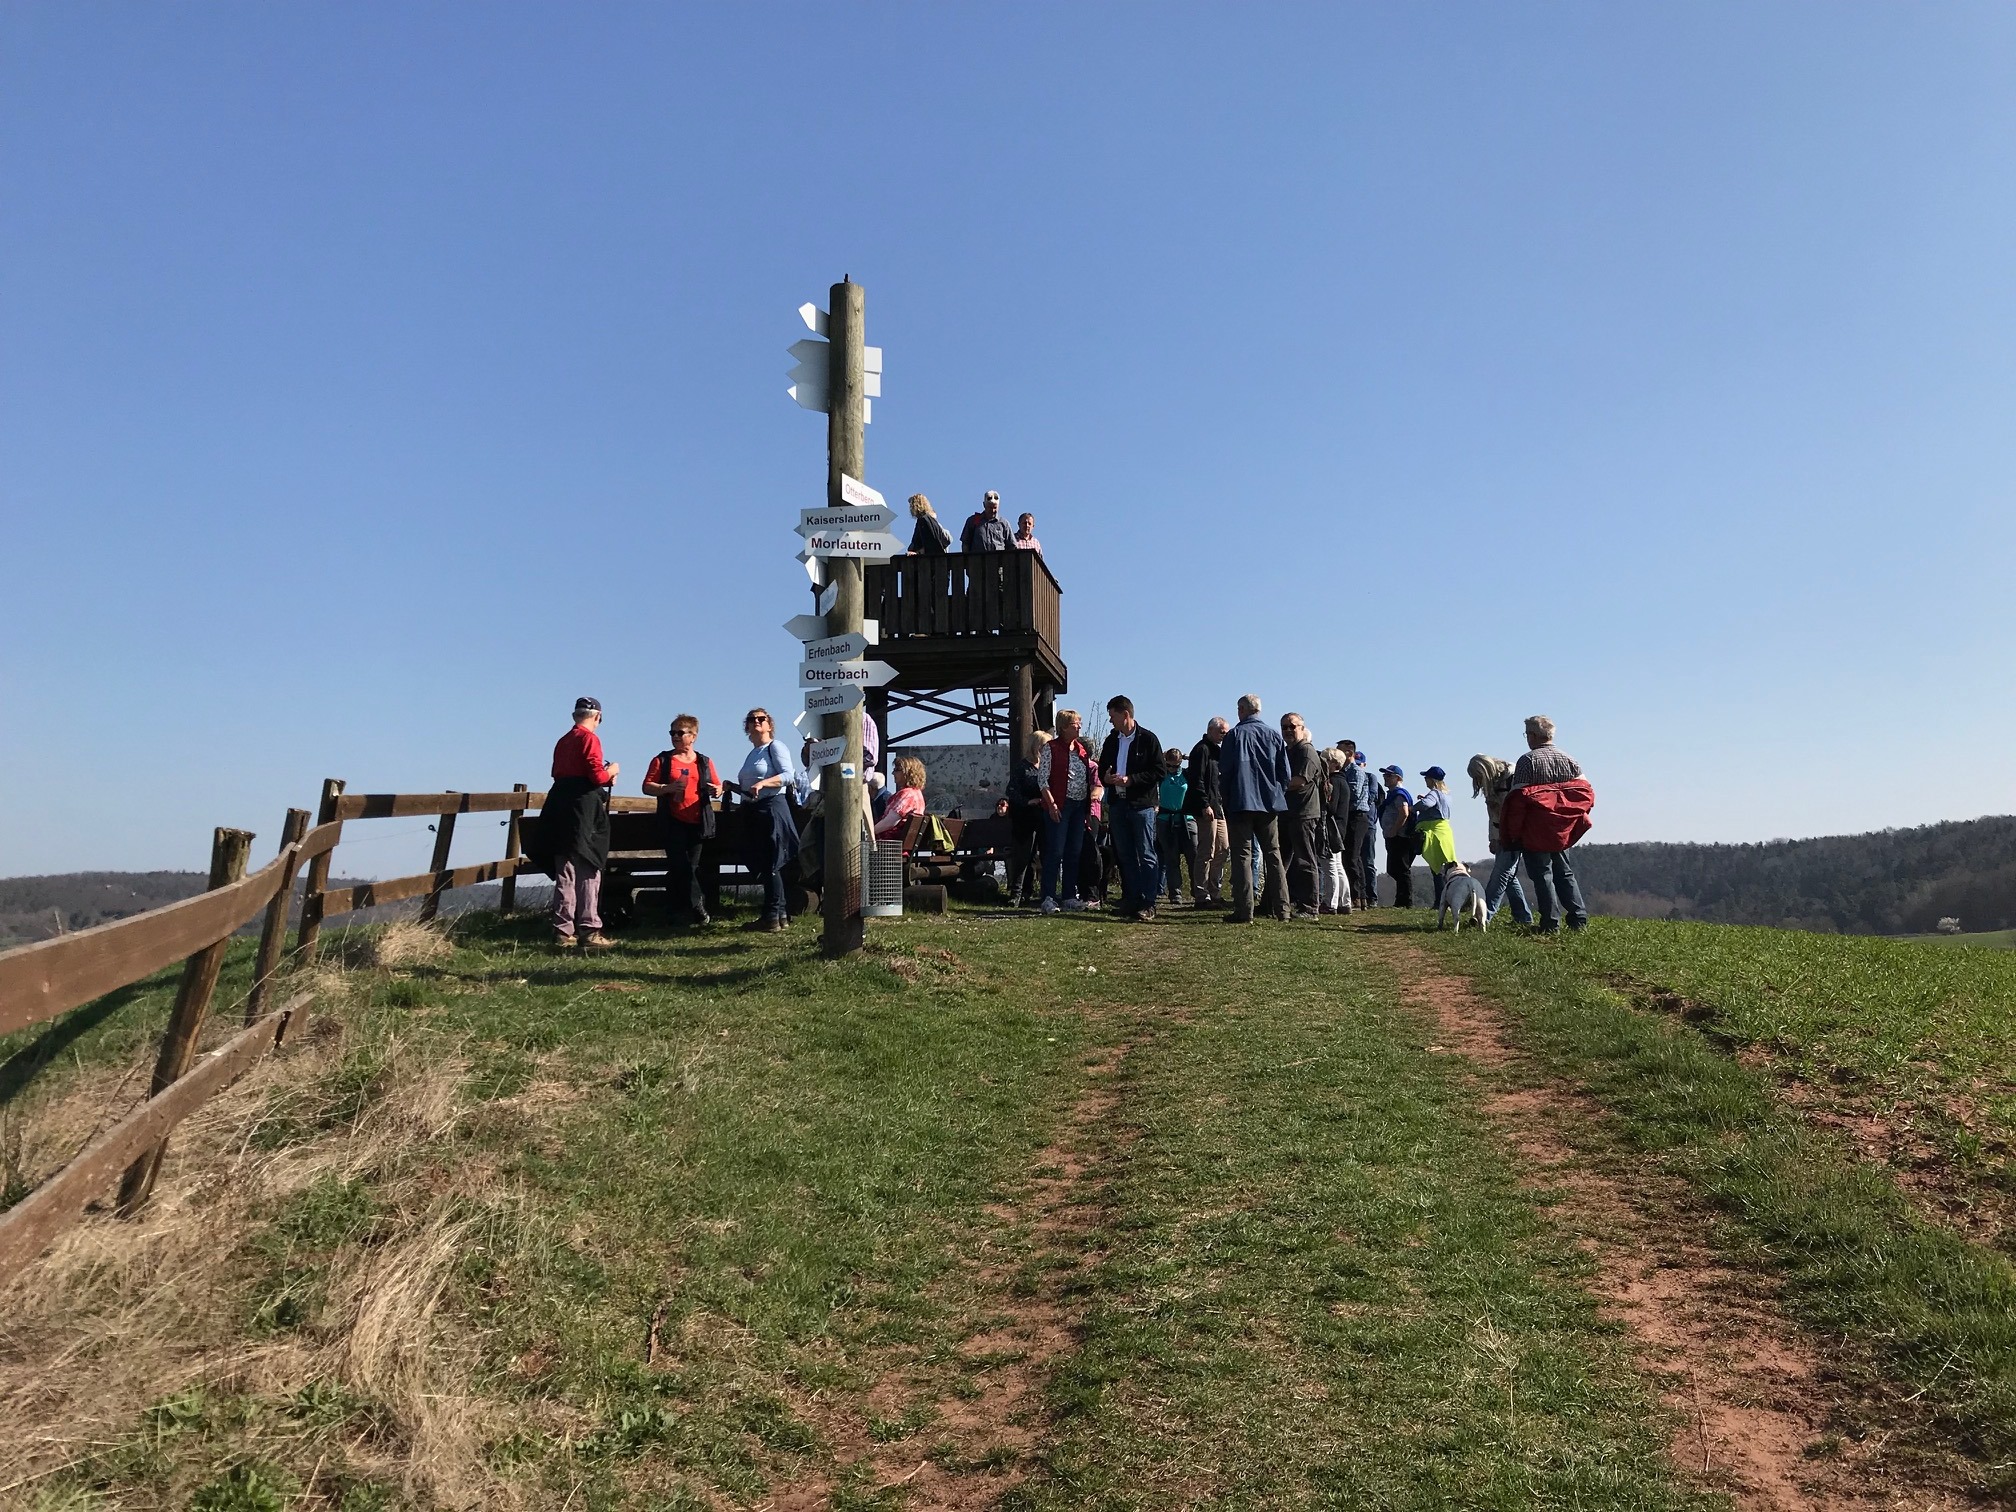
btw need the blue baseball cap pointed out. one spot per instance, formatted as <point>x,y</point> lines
<point>1437,774</point>
<point>1391,772</point>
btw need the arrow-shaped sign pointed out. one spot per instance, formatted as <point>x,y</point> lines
<point>814,318</point>
<point>861,674</point>
<point>823,753</point>
<point>849,543</point>
<point>877,520</point>
<point>853,491</point>
<point>808,627</point>
<point>809,377</point>
<point>833,700</point>
<point>837,648</point>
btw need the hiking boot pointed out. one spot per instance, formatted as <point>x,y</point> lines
<point>1238,918</point>
<point>776,926</point>
<point>598,941</point>
<point>1048,906</point>
<point>1145,916</point>
<point>1073,905</point>
<point>562,941</point>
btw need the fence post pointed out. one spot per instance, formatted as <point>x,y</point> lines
<point>228,850</point>
<point>273,937</point>
<point>514,847</point>
<point>318,876</point>
<point>444,837</point>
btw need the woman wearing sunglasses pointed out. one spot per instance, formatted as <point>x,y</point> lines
<point>765,779</point>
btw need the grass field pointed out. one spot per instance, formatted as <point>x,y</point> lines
<point>1988,939</point>
<point>1049,1214</point>
<point>1847,1100</point>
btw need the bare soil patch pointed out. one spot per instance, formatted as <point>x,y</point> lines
<point>1763,1415</point>
<point>959,1440</point>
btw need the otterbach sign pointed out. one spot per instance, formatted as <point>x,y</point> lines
<point>862,674</point>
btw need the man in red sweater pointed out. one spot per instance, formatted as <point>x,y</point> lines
<point>574,828</point>
<point>1544,814</point>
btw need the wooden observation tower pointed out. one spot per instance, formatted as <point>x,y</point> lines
<point>975,638</point>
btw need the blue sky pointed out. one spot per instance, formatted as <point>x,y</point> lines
<point>375,378</point>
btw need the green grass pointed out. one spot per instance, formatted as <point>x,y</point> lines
<point>1326,1287</point>
<point>1323,1284</point>
<point>1925,1039</point>
<point>1891,1019</point>
<point>1987,939</point>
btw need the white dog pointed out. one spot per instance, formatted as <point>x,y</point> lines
<point>1461,895</point>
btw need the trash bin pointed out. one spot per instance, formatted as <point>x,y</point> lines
<point>887,869</point>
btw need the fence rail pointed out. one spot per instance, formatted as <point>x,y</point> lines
<point>45,980</point>
<point>50,977</point>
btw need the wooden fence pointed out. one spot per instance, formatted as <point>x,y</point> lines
<point>42,981</point>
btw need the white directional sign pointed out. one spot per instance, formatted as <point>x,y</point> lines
<point>807,627</point>
<point>814,521</point>
<point>833,700</point>
<point>853,491</point>
<point>837,648</point>
<point>808,378</point>
<point>861,674</point>
<point>827,593</point>
<point>850,543</point>
<point>825,752</point>
<point>811,377</point>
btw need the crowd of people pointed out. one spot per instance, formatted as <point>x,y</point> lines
<point>1292,830</point>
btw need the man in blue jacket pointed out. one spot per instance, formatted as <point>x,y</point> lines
<point>1253,776</point>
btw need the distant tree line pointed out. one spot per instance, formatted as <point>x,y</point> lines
<point>1889,882</point>
<point>34,908</point>
<point>38,908</point>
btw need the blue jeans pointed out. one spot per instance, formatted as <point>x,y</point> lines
<point>1063,839</point>
<point>1370,859</point>
<point>1133,831</point>
<point>1551,872</point>
<point>1504,884</point>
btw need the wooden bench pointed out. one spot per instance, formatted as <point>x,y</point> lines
<point>637,857</point>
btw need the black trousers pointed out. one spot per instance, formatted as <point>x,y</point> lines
<point>1305,862</point>
<point>1401,853</point>
<point>1025,854</point>
<point>682,872</point>
<point>1357,829</point>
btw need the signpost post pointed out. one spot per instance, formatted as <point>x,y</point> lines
<point>846,415</point>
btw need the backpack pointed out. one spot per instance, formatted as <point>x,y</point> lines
<point>1418,820</point>
<point>700,768</point>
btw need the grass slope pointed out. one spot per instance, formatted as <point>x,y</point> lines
<point>1904,1027</point>
<point>1326,1287</point>
<point>700,1220</point>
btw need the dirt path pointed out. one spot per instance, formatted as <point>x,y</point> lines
<point>974,1443</point>
<point>1764,1418</point>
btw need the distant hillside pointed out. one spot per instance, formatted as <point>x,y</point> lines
<point>36,908</point>
<point>1888,882</point>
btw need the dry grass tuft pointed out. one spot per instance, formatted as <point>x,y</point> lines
<point>408,942</point>
<point>120,1316</point>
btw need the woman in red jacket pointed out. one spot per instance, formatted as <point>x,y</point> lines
<point>1069,781</point>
